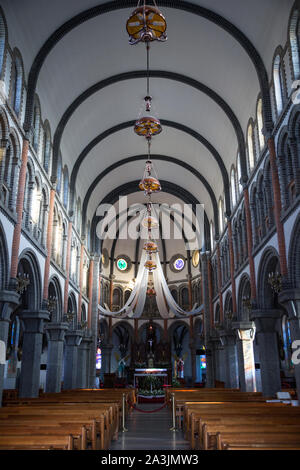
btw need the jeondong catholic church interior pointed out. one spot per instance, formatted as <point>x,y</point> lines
<point>149,224</point>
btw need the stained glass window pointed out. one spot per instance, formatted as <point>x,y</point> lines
<point>122,264</point>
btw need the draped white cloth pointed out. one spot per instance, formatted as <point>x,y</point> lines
<point>175,309</point>
<point>140,285</point>
<point>166,304</point>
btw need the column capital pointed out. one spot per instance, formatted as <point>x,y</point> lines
<point>56,331</point>
<point>265,320</point>
<point>227,337</point>
<point>290,299</point>
<point>245,330</point>
<point>73,337</point>
<point>34,321</point>
<point>9,300</point>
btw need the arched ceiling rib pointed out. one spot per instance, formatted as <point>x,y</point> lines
<point>205,82</point>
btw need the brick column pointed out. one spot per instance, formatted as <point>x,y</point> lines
<point>220,284</point>
<point>68,262</point>
<point>91,271</point>
<point>250,244</point>
<point>19,211</point>
<point>231,255</point>
<point>3,147</point>
<point>210,293</point>
<point>80,282</point>
<point>49,243</point>
<point>277,208</point>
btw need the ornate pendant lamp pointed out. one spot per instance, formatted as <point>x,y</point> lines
<point>146,24</point>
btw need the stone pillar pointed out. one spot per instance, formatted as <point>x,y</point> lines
<point>72,341</point>
<point>207,321</point>
<point>19,210</point>
<point>290,299</point>
<point>265,323</point>
<point>8,302</point>
<point>250,244</point>
<point>33,323</point>
<point>55,334</point>
<point>49,244</point>
<point>245,336</point>
<point>68,262</point>
<point>106,358</point>
<point>94,322</point>
<point>82,362</point>
<point>228,339</point>
<point>277,208</point>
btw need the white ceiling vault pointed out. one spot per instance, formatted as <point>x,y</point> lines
<point>196,48</point>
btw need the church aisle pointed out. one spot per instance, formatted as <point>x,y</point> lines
<point>150,431</point>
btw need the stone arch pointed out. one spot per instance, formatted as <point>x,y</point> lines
<point>55,296</point>
<point>29,265</point>
<point>269,263</point>
<point>244,298</point>
<point>72,308</point>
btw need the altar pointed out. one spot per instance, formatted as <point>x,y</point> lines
<point>154,372</point>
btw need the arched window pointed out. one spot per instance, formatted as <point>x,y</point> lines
<point>221,215</point>
<point>59,174</point>
<point>47,149</point>
<point>233,187</point>
<point>16,85</point>
<point>78,215</point>
<point>212,240</point>
<point>239,174</point>
<point>250,147</point>
<point>65,187</point>
<point>217,314</point>
<point>294,43</point>
<point>36,127</point>
<point>36,202</point>
<point>261,137</point>
<point>277,77</point>
<point>185,298</point>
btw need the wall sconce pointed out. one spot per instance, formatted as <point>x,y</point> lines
<point>69,316</point>
<point>51,304</point>
<point>83,324</point>
<point>275,281</point>
<point>23,282</point>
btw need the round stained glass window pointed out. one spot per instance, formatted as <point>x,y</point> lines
<point>122,264</point>
<point>178,264</point>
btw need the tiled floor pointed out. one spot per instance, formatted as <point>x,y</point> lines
<point>150,431</point>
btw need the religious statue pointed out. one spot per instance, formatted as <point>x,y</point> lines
<point>121,365</point>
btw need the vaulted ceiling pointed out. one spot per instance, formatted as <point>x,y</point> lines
<point>91,83</point>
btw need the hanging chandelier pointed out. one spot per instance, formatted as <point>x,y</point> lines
<point>146,24</point>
